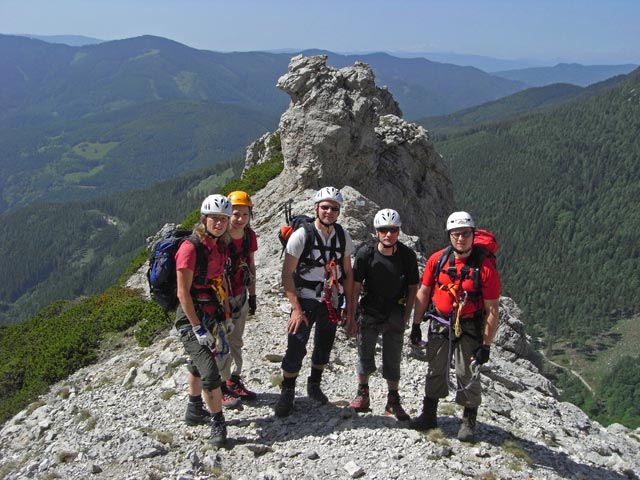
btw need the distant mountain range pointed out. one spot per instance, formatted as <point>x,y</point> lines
<point>573,73</point>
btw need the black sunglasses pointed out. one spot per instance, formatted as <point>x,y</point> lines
<point>388,229</point>
<point>329,207</point>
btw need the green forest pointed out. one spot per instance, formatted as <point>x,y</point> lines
<point>561,191</point>
<point>66,335</point>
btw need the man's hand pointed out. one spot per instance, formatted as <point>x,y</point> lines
<point>296,319</point>
<point>203,335</point>
<point>481,355</point>
<point>252,304</point>
<point>416,335</point>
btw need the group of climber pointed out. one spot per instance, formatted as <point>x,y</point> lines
<point>373,299</point>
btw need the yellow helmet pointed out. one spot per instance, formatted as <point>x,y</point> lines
<point>240,198</point>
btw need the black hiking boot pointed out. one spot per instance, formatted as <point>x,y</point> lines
<point>467,430</point>
<point>218,431</point>
<point>196,414</point>
<point>393,407</point>
<point>314,392</point>
<point>284,405</point>
<point>428,419</point>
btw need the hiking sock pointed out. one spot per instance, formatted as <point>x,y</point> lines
<point>195,399</point>
<point>316,375</point>
<point>289,382</point>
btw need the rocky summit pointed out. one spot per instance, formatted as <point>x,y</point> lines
<point>123,418</point>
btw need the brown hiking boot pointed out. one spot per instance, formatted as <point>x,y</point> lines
<point>428,419</point>
<point>315,393</point>
<point>361,401</point>
<point>393,407</point>
<point>467,430</point>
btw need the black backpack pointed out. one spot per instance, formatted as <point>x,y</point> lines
<point>162,267</point>
<point>312,239</point>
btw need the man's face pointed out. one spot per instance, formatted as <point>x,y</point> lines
<point>388,236</point>
<point>461,239</point>
<point>327,211</point>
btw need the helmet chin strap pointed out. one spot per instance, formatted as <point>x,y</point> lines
<point>388,246</point>
<point>211,235</point>
<point>323,223</point>
<point>461,252</point>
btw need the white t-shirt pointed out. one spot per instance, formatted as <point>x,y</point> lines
<point>295,246</point>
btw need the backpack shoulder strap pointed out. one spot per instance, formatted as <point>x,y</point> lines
<point>202,256</point>
<point>444,257</point>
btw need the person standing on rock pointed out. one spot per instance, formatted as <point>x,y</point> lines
<point>388,271</point>
<point>467,287</point>
<point>316,276</point>
<point>199,310</point>
<point>241,271</point>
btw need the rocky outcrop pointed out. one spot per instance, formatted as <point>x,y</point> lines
<point>341,129</point>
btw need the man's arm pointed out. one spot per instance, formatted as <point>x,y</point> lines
<point>297,315</point>
<point>348,285</point>
<point>412,291</point>
<point>491,320</point>
<point>423,297</point>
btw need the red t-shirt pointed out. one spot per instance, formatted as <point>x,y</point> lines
<point>186,258</point>
<point>443,301</point>
<point>241,261</point>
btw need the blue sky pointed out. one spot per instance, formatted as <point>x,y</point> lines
<point>585,31</point>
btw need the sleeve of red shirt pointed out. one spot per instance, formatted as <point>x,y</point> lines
<point>490,279</point>
<point>427,275</point>
<point>186,256</point>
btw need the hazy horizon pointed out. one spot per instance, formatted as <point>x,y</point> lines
<point>542,32</point>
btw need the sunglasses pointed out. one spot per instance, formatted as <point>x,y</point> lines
<point>386,230</point>
<point>465,234</point>
<point>329,207</point>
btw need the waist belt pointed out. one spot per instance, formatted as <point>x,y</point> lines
<point>477,315</point>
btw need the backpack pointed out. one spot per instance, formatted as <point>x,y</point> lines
<point>312,238</point>
<point>485,245</point>
<point>161,274</point>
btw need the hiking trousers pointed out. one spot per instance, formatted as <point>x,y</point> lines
<point>438,359</point>
<point>391,328</point>
<point>239,312</point>
<point>202,363</point>
<point>325,334</point>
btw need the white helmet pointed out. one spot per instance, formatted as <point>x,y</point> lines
<point>460,220</point>
<point>216,205</point>
<point>328,193</point>
<point>387,218</point>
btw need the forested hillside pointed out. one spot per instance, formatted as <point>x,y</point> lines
<point>561,189</point>
<point>59,251</point>
<point>129,149</point>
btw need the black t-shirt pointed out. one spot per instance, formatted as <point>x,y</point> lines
<point>385,277</point>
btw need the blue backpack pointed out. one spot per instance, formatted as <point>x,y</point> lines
<point>162,267</point>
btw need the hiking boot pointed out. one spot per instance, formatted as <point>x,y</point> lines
<point>393,407</point>
<point>361,402</point>
<point>218,432</point>
<point>284,405</point>
<point>314,392</point>
<point>467,430</point>
<point>237,388</point>
<point>229,400</point>
<point>428,419</point>
<point>196,414</point>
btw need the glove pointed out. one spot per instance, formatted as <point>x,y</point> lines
<point>416,334</point>
<point>481,355</point>
<point>229,326</point>
<point>252,304</point>
<point>203,335</point>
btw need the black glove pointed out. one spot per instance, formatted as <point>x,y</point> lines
<point>252,304</point>
<point>481,355</point>
<point>416,334</point>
